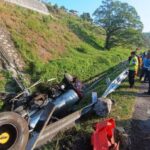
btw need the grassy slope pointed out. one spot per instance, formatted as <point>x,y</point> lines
<point>52,45</point>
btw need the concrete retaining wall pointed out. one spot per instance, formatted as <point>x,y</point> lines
<point>31,4</point>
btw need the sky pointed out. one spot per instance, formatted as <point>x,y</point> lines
<point>142,7</point>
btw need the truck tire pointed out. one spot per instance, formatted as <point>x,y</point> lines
<point>14,132</point>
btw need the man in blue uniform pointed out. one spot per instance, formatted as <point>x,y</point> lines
<point>147,64</point>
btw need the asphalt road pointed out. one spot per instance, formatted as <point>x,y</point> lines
<point>140,127</point>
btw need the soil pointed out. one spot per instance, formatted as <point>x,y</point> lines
<point>76,141</point>
<point>140,127</point>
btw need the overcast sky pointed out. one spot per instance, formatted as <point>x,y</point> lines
<point>142,7</point>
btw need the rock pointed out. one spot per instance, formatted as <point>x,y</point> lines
<point>120,129</point>
<point>103,106</point>
<point>123,138</point>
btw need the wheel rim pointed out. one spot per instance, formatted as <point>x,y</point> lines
<point>8,136</point>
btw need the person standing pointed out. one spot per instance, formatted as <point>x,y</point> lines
<point>143,70</point>
<point>148,71</point>
<point>133,68</point>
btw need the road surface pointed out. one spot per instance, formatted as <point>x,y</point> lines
<point>140,127</point>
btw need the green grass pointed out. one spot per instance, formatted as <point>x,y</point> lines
<point>124,106</point>
<point>6,84</point>
<point>5,78</point>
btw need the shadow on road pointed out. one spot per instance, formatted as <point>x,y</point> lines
<point>140,135</point>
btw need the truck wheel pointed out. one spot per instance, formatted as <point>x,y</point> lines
<point>14,131</point>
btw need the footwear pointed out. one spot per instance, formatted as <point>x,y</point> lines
<point>132,86</point>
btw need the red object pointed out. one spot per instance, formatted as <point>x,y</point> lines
<point>103,136</point>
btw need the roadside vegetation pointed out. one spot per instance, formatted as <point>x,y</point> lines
<point>146,37</point>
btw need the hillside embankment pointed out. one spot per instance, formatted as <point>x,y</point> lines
<point>50,46</point>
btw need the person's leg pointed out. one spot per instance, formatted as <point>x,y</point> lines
<point>132,78</point>
<point>129,78</point>
<point>142,74</point>
<point>146,75</point>
<point>149,81</point>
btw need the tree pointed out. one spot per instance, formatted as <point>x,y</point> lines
<point>121,22</point>
<point>63,8</point>
<point>146,39</point>
<point>55,6</point>
<point>52,8</point>
<point>74,12</point>
<point>87,17</point>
